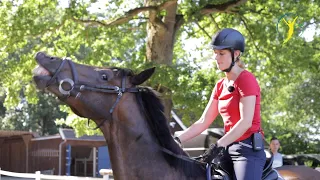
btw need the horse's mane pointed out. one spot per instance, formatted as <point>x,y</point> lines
<point>151,106</point>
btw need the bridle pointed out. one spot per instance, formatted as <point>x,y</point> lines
<point>78,86</point>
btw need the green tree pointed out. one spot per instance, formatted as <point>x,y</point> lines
<point>39,117</point>
<point>140,34</point>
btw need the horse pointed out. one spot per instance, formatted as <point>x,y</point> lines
<point>129,115</point>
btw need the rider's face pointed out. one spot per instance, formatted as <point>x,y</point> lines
<point>223,58</point>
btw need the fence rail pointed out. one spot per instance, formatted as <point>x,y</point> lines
<point>38,176</point>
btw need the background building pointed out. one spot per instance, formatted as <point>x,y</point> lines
<point>61,154</point>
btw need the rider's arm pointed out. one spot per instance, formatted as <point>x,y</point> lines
<point>209,114</point>
<point>247,108</point>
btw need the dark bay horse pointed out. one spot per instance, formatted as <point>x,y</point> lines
<point>130,117</point>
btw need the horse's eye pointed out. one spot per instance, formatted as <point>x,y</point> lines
<point>105,77</point>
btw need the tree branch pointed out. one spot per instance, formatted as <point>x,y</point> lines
<point>90,22</point>
<point>242,18</point>
<point>179,21</point>
<point>225,7</point>
<point>155,20</point>
<point>205,32</point>
<point>178,24</point>
<point>129,15</point>
<point>214,22</point>
<point>169,16</point>
<point>249,31</point>
<point>313,46</point>
<point>258,12</point>
<point>166,4</point>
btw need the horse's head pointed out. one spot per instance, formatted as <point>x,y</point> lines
<point>91,92</point>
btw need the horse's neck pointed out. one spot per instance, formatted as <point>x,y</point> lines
<point>134,156</point>
<point>133,152</point>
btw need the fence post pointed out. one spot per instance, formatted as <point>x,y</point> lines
<point>106,177</point>
<point>106,173</point>
<point>38,175</point>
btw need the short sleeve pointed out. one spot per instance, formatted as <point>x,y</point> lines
<point>248,85</point>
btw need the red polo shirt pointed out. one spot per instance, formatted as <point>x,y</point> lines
<point>228,102</point>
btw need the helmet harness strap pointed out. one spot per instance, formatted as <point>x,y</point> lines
<point>232,63</point>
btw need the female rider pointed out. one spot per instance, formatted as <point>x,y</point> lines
<point>236,97</point>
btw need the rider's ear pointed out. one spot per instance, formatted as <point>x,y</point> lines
<point>142,77</point>
<point>237,53</point>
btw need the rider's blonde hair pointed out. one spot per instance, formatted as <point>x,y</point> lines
<point>240,63</point>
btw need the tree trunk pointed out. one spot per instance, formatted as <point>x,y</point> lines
<point>161,31</point>
<point>166,100</point>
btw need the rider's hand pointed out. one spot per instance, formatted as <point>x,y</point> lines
<point>212,153</point>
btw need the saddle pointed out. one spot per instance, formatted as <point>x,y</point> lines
<point>215,171</point>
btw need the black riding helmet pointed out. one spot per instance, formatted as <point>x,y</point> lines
<point>228,39</point>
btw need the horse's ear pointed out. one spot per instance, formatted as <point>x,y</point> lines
<point>142,77</point>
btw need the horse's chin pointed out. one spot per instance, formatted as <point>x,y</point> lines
<point>41,76</point>
<point>41,81</point>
